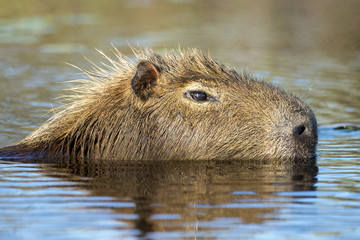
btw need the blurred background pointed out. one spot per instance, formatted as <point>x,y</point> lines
<point>310,47</point>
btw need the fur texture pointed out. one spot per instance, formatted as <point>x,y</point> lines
<point>183,105</point>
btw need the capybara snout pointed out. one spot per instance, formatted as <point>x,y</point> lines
<point>182,105</point>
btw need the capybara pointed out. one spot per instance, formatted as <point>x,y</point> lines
<point>182,105</point>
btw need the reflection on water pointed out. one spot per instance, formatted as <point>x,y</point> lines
<point>214,189</point>
<point>154,199</point>
<point>38,206</point>
<point>309,47</point>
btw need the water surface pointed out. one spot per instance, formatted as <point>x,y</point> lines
<point>308,47</point>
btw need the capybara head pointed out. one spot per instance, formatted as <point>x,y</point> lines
<point>183,105</point>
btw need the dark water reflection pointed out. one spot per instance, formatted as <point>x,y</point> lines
<point>210,189</point>
<point>175,198</point>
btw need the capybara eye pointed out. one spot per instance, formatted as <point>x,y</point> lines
<point>198,96</point>
<point>161,107</point>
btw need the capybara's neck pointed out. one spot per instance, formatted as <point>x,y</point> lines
<point>183,105</point>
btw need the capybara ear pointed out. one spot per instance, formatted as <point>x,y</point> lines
<point>144,79</point>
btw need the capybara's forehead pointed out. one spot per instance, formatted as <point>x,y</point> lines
<point>178,105</point>
<point>188,64</point>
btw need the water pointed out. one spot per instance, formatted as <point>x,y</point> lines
<point>308,47</point>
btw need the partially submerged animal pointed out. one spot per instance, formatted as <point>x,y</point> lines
<point>183,105</point>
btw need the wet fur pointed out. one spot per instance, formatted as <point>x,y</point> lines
<point>109,116</point>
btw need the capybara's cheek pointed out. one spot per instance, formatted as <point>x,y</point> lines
<point>182,105</point>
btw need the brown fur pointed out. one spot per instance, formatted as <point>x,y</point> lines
<point>144,110</point>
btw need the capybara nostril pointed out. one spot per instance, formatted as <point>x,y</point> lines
<point>182,105</point>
